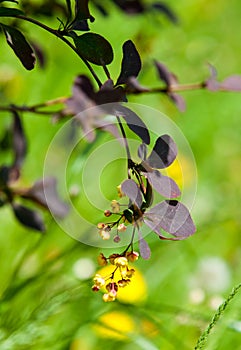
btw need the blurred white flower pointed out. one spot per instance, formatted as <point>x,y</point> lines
<point>84,268</point>
<point>212,275</point>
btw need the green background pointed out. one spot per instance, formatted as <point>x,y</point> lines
<point>43,303</point>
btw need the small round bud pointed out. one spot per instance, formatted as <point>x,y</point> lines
<point>106,298</point>
<point>112,258</point>
<point>102,260</point>
<point>105,235</point>
<point>99,281</point>
<point>121,261</point>
<point>132,256</point>
<point>117,239</point>
<point>115,206</point>
<point>101,225</point>
<point>123,283</point>
<point>107,213</point>
<point>95,288</point>
<point>121,228</point>
<point>130,273</point>
<point>120,193</point>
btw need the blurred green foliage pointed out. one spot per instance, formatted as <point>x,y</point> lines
<point>44,302</point>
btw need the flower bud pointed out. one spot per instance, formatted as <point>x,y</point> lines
<point>107,297</point>
<point>105,235</point>
<point>121,228</point>
<point>99,281</point>
<point>132,256</point>
<point>120,193</point>
<point>102,260</point>
<point>121,261</point>
<point>107,213</point>
<point>112,258</point>
<point>115,206</point>
<point>100,225</point>
<point>117,239</point>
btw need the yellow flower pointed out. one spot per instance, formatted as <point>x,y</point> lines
<point>115,325</point>
<point>115,207</point>
<point>133,293</point>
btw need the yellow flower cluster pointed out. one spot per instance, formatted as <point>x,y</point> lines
<point>121,264</point>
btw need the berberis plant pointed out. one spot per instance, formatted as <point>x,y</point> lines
<point>170,215</point>
<point>92,101</point>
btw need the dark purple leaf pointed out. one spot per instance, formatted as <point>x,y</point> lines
<point>28,217</point>
<point>163,184</point>
<point>131,63</point>
<point>4,175</point>
<point>20,46</point>
<point>173,217</point>
<point>211,83</point>
<point>39,53</point>
<point>178,100</point>
<point>94,48</point>
<point>8,12</point>
<point>148,195</point>
<point>142,151</point>
<point>131,190</point>
<point>82,10</point>
<point>44,192</point>
<point>166,10</point>
<point>165,75</point>
<point>163,154</point>
<point>232,83</point>
<point>134,123</point>
<point>144,248</point>
<point>109,94</point>
<point>132,85</point>
<point>19,141</point>
<point>130,6</point>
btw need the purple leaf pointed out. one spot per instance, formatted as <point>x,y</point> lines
<point>211,83</point>
<point>44,192</point>
<point>19,141</point>
<point>131,190</point>
<point>166,10</point>
<point>28,217</point>
<point>94,48</point>
<point>163,154</point>
<point>165,75</point>
<point>82,10</point>
<point>163,184</point>
<point>143,247</point>
<point>232,83</point>
<point>130,6</point>
<point>178,101</point>
<point>20,46</point>
<point>132,85</point>
<point>142,151</point>
<point>134,123</point>
<point>131,63</point>
<point>173,217</point>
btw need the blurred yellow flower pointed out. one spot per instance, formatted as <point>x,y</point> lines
<point>134,292</point>
<point>180,171</point>
<point>115,325</point>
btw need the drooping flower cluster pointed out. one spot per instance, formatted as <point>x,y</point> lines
<point>170,215</point>
<point>121,268</point>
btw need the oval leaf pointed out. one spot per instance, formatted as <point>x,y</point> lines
<point>131,190</point>
<point>163,154</point>
<point>20,46</point>
<point>28,217</point>
<point>44,192</point>
<point>94,48</point>
<point>19,141</point>
<point>134,123</point>
<point>131,62</point>
<point>8,12</point>
<point>173,217</point>
<point>143,247</point>
<point>163,184</point>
